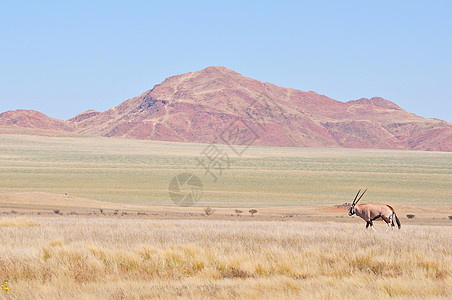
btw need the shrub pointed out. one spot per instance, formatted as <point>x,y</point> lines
<point>252,212</point>
<point>410,216</point>
<point>209,211</point>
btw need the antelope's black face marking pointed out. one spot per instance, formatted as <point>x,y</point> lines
<point>352,211</point>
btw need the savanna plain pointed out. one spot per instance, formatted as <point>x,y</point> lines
<point>90,218</point>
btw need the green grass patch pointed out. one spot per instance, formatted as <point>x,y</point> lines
<point>139,172</point>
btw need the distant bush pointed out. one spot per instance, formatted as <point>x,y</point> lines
<point>410,216</point>
<point>238,212</point>
<point>252,212</point>
<point>209,211</point>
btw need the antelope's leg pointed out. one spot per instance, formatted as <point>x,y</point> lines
<point>372,225</point>
<point>371,221</point>
<point>388,221</point>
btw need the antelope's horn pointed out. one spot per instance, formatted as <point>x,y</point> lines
<point>356,197</point>
<point>360,196</point>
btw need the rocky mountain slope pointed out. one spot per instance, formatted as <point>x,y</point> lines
<point>218,105</point>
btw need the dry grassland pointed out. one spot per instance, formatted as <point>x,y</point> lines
<point>139,173</point>
<point>299,245</point>
<point>73,257</point>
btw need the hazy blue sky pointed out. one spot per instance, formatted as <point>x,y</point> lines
<point>64,57</point>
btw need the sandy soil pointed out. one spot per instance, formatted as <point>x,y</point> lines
<point>33,203</point>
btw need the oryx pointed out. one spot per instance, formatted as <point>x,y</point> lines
<point>371,212</point>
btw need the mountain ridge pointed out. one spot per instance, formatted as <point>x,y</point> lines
<point>202,106</point>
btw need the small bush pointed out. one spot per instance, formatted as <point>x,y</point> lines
<point>209,211</point>
<point>252,212</point>
<point>410,216</point>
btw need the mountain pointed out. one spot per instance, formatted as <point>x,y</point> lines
<point>33,119</point>
<point>218,105</point>
<point>83,116</point>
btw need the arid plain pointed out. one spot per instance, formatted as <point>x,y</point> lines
<point>90,217</point>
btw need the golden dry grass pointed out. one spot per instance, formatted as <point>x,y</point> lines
<point>17,222</point>
<point>69,257</point>
<point>184,255</point>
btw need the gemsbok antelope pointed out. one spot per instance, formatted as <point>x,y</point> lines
<point>371,212</point>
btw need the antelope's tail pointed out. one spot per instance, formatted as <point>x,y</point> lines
<point>397,221</point>
<point>395,216</point>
